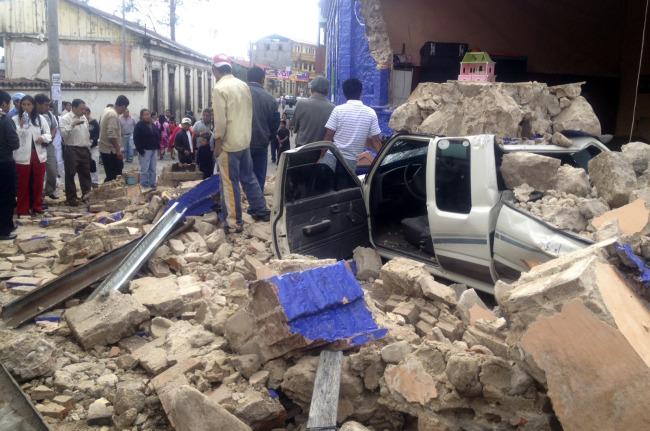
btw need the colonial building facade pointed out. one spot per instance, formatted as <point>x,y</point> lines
<point>160,73</point>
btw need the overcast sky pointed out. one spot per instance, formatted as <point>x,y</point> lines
<point>215,26</point>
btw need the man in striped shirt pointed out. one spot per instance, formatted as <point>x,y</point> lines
<point>352,126</point>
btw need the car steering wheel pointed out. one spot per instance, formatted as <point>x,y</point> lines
<point>415,180</point>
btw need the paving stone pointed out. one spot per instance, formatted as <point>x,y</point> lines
<point>34,245</point>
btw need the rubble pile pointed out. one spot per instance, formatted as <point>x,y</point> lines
<point>446,361</point>
<point>214,330</point>
<point>529,110</point>
<point>615,206</point>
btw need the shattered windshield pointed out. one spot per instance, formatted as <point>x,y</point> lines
<point>404,149</point>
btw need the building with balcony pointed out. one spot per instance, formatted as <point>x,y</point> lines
<point>286,55</point>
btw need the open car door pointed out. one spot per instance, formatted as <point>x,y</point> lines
<point>317,211</point>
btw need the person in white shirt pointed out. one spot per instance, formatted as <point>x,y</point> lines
<point>74,130</point>
<point>351,127</point>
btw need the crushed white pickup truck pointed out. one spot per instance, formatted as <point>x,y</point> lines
<point>439,200</point>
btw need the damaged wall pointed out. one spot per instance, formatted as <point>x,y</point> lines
<point>349,55</point>
<point>559,45</point>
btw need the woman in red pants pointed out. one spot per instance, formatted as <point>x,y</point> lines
<point>34,135</point>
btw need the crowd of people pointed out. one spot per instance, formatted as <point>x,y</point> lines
<point>39,148</point>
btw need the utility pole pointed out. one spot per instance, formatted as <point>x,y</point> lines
<point>123,43</point>
<point>53,51</point>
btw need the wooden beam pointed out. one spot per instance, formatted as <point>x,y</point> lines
<point>325,398</point>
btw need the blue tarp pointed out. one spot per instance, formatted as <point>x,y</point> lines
<point>645,272</point>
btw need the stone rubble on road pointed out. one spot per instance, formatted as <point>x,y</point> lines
<point>201,341</point>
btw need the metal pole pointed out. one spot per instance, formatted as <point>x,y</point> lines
<point>53,49</point>
<point>123,43</point>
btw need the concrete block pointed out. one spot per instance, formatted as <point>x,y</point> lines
<point>395,301</point>
<point>52,410</point>
<point>190,410</point>
<point>368,263</point>
<point>99,414</point>
<point>577,340</point>
<point>66,401</point>
<point>423,328</point>
<point>480,334</point>
<point>409,310</point>
<point>252,263</point>
<point>215,239</point>
<point>159,295</point>
<point>247,365</point>
<point>283,324</point>
<point>395,352</point>
<point>450,325</point>
<point>102,322</point>
<point>176,246</point>
<point>41,393</point>
<point>411,381</point>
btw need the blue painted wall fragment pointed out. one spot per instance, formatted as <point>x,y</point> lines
<point>308,292</point>
<point>348,55</point>
<point>326,303</point>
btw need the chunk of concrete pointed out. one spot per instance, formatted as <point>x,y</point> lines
<point>395,352</point>
<point>590,208</point>
<point>560,140</point>
<point>368,263</point>
<point>613,177</point>
<point>105,321</point>
<point>638,155</point>
<point>247,365</point>
<point>160,295</point>
<point>579,115</point>
<point>192,411</point>
<point>259,410</point>
<point>538,171</point>
<point>576,313</point>
<point>99,413</point>
<point>408,277</point>
<point>215,239</point>
<point>573,181</point>
<point>407,118</point>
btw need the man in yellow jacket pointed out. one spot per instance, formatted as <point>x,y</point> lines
<point>233,118</point>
